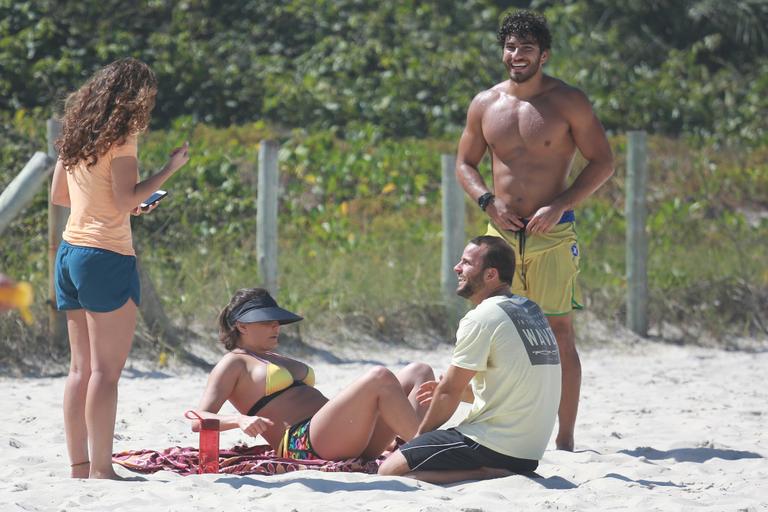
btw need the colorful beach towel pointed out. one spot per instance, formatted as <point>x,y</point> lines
<point>240,460</point>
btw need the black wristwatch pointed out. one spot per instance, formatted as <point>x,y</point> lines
<point>484,200</point>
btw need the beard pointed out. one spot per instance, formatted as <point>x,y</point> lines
<point>532,70</point>
<point>469,287</point>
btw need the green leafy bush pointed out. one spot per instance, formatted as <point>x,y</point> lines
<point>360,225</point>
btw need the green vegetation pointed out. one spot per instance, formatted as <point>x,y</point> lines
<point>360,230</point>
<point>364,97</point>
<point>694,67</point>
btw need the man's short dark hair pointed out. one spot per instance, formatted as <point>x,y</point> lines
<point>526,25</point>
<point>499,255</point>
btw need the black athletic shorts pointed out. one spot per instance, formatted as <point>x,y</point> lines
<point>450,449</point>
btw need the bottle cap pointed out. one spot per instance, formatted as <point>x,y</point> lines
<point>209,424</point>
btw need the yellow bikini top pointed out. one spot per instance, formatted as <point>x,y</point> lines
<point>278,379</point>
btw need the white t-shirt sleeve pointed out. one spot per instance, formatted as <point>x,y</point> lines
<point>473,344</point>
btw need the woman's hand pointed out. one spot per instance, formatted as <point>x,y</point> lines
<point>426,392</point>
<point>143,211</point>
<point>254,425</point>
<point>178,157</point>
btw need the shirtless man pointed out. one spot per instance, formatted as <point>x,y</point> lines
<point>533,124</point>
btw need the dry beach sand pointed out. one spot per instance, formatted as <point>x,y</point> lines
<point>661,427</point>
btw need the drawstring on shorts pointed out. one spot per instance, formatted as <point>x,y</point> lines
<point>521,247</point>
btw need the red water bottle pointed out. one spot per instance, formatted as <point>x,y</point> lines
<point>208,454</point>
<point>209,446</point>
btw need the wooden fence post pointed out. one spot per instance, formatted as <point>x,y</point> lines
<point>453,235</point>
<point>266,215</point>
<point>23,188</point>
<point>637,240</point>
<point>57,220</point>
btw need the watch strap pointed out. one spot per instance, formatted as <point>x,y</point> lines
<point>484,200</point>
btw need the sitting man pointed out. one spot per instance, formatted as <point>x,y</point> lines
<point>506,350</point>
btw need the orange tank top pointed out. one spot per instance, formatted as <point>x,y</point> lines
<point>94,221</point>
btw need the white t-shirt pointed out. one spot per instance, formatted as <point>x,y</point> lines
<point>508,342</point>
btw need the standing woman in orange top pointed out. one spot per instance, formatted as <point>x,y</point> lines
<point>97,281</point>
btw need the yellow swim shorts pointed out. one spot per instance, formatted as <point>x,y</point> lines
<point>547,269</point>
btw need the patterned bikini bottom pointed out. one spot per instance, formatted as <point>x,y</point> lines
<point>296,443</point>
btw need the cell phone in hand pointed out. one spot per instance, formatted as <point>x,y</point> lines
<point>157,196</point>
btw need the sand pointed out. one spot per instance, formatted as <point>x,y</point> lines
<point>661,427</point>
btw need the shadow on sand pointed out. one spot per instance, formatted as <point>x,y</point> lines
<point>699,455</point>
<point>321,485</point>
<point>645,483</point>
<point>552,482</point>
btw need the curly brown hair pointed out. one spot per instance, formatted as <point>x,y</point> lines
<point>228,333</point>
<point>113,104</point>
<point>528,25</point>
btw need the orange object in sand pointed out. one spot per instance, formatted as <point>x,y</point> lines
<point>19,296</point>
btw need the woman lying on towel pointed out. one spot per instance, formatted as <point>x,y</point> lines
<point>275,397</point>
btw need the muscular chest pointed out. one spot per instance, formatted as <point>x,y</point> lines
<point>513,127</point>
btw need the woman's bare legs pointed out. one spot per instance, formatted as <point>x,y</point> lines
<point>110,336</point>
<point>75,391</point>
<point>410,377</point>
<point>342,428</point>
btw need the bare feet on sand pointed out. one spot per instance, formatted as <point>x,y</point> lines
<point>115,476</point>
<point>83,470</point>
<point>80,470</point>
<point>105,475</point>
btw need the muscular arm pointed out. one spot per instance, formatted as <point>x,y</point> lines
<point>447,396</point>
<point>472,147</point>
<point>590,139</point>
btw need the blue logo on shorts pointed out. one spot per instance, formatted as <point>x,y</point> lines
<point>575,250</point>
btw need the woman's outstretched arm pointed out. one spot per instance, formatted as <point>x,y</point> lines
<point>220,386</point>
<point>128,191</point>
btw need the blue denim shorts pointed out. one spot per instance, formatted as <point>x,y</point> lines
<point>95,279</point>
